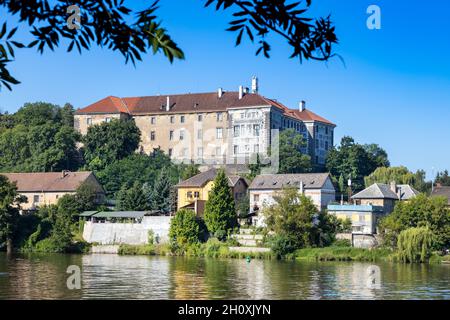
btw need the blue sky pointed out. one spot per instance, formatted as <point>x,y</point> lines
<point>394,88</point>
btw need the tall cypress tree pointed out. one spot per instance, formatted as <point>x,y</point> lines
<point>220,214</point>
<point>161,192</point>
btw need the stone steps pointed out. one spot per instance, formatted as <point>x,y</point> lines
<point>249,249</point>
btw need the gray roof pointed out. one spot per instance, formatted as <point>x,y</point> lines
<point>376,191</point>
<point>88,213</point>
<point>121,214</point>
<point>384,191</point>
<point>441,191</point>
<point>279,181</point>
<point>406,191</point>
<point>203,178</point>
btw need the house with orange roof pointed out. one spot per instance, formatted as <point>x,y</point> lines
<point>212,128</point>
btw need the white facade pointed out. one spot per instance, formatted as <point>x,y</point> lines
<point>249,131</point>
<point>320,197</point>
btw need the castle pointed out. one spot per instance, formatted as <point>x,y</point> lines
<point>209,127</point>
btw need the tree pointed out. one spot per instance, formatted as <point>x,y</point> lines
<point>293,219</point>
<point>379,155</point>
<point>400,175</point>
<point>38,140</point>
<point>184,230</point>
<point>351,160</point>
<point>442,178</point>
<point>108,24</point>
<point>160,199</point>
<point>420,211</point>
<point>189,171</point>
<point>220,214</point>
<point>415,244</point>
<point>110,141</point>
<point>137,167</point>
<point>292,160</point>
<point>243,206</point>
<point>9,212</point>
<point>132,198</point>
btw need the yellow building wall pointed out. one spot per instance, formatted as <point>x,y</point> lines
<point>183,199</point>
<point>45,198</point>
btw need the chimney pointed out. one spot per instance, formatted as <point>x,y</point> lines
<point>241,92</point>
<point>219,92</point>
<point>254,84</point>
<point>301,187</point>
<point>302,105</point>
<point>393,187</point>
<point>168,104</point>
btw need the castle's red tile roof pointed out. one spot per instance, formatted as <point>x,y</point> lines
<point>192,102</point>
<point>107,105</point>
<point>305,115</point>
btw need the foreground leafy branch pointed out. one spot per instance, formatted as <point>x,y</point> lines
<point>112,25</point>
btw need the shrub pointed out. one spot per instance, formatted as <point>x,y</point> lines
<point>282,245</point>
<point>342,243</point>
<point>184,230</point>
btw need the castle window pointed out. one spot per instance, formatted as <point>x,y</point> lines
<point>171,135</point>
<point>219,133</point>
<point>200,117</point>
<point>172,119</point>
<point>182,119</point>
<point>152,136</point>
<point>89,121</point>
<point>153,120</point>
<point>219,116</point>
<point>181,134</point>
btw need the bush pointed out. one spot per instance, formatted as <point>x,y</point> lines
<point>146,249</point>
<point>283,245</point>
<point>184,230</point>
<point>342,243</point>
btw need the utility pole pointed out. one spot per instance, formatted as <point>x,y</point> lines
<point>349,183</point>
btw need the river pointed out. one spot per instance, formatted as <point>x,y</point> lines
<point>44,276</point>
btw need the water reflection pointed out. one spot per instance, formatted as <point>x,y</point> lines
<point>141,277</point>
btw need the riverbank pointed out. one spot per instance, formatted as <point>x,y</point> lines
<point>217,249</point>
<point>210,249</point>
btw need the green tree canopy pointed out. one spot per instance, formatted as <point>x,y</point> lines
<point>378,155</point>
<point>443,178</point>
<point>415,244</point>
<point>160,198</point>
<point>220,214</point>
<point>351,160</point>
<point>134,198</point>
<point>108,142</point>
<point>293,217</point>
<point>9,211</point>
<point>184,230</point>
<point>401,175</point>
<point>420,211</point>
<point>37,139</point>
<point>292,160</point>
<point>137,167</point>
<point>112,25</point>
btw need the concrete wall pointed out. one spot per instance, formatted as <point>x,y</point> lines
<point>128,233</point>
<point>364,241</point>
